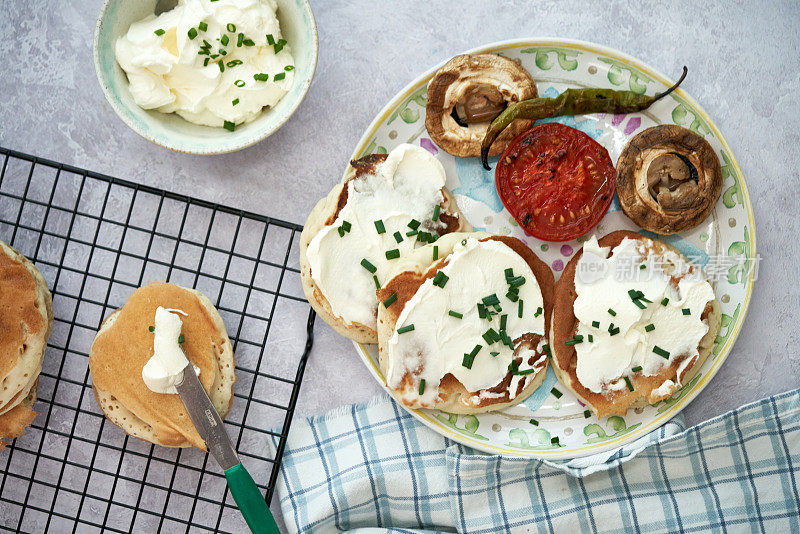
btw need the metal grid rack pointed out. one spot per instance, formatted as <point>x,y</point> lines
<point>95,239</point>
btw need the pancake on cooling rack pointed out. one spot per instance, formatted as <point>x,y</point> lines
<point>633,320</point>
<point>462,324</point>
<point>385,207</point>
<point>124,345</point>
<point>26,320</point>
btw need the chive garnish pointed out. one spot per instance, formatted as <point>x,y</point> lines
<point>221,65</point>
<point>612,313</point>
<point>639,304</point>
<point>422,386</point>
<point>664,301</point>
<point>455,314</point>
<point>368,266</point>
<point>637,369</point>
<point>642,267</point>
<point>238,83</point>
<point>613,331</point>
<point>392,254</point>
<point>151,328</point>
<point>512,296</point>
<point>205,62</point>
<point>525,372</point>
<point>481,311</point>
<point>159,32</point>
<point>686,311</point>
<point>202,26</point>
<point>381,229</point>
<point>490,336</point>
<point>554,441</point>
<point>513,366</point>
<point>234,101</point>
<point>279,45</point>
<point>404,329</point>
<point>516,281</point>
<point>509,273</point>
<point>491,300</point>
<point>436,209</point>
<point>519,308</point>
<point>556,393</point>
<point>181,338</point>
<point>546,348</point>
<point>628,382</point>
<point>398,237</point>
<point>288,67</point>
<point>587,414</point>
<point>650,327</point>
<point>494,353</point>
<point>590,338</point>
<point>261,77</point>
<point>192,33</point>
<point>414,224</point>
<point>231,27</point>
<point>538,312</point>
<point>503,321</point>
<point>440,279</point>
<point>225,40</point>
<point>389,301</point>
<point>377,283</point>
<point>249,42</point>
<point>575,340</point>
<point>596,324</point>
<point>534,422</point>
<point>230,126</point>
<point>270,39</point>
<point>346,226</point>
<point>661,352</point>
<point>277,77</point>
<point>436,252</point>
<point>239,40</point>
<point>469,358</point>
<point>411,233</point>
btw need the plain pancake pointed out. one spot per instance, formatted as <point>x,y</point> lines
<point>324,214</point>
<point>565,324</point>
<point>26,321</point>
<point>407,278</point>
<point>124,344</point>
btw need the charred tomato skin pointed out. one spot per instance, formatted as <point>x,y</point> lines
<point>556,181</point>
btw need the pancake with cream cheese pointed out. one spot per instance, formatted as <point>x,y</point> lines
<point>633,321</point>
<point>386,206</point>
<point>124,345</point>
<point>26,321</point>
<point>462,324</point>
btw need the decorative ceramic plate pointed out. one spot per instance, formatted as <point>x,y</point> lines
<point>724,245</point>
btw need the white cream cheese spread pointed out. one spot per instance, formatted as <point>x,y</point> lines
<point>214,63</point>
<point>384,217</point>
<point>641,310</point>
<point>165,368</point>
<point>449,334</point>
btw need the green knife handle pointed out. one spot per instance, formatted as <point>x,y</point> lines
<point>250,501</point>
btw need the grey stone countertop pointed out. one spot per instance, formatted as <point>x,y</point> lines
<point>744,65</point>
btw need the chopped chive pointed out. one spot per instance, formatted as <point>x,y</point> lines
<point>519,308</point>
<point>234,101</point>
<point>664,301</point>
<point>231,27</point>
<point>634,294</point>
<point>238,83</point>
<point>230,126</point>
<point>389,301</point>
<point>612,313</point>
<point>686,311</point>
<point>481,311</point>
<point>346,226</point>
<point>525,372</point>
<point>261,77</point>
<point>392,254</point>
<point>377,283</point>
<point>279,76</point>
<point>587,414</point>
<point>554,441</point>
<point>494,353</point>
<point>513,366</point>
<point>223,52</point>
<point>288,67</point>
<point>205,62</point>
<point>436,209</point>
<point>538,312</point>
<point>159,32</point>
<point>639,304</point>
<point>636,369</point>
<point>469,358</point>
<point>628,382</point>
<point>192,33</point>
<point>534,422</point>
<point>414,224</point>
<point>512,296</point>
<point>221,65</point>
<point>556,393</point>
<point>239,40</point>
<point>613,331</point>
<point>440,279</point>
<point>249,42</point>
<point>398,237</point>
<point>642,267</point>
<point>503,321</point>
<point>491,300</point>
<point>404,329</point>
<point>422,386</point>
<point>591,338</point>
<point>225,40</point>
<point>368,266</point>
<point>516,281</point>
<point>455,314</point>
<point>151,328</point>
<point>411,233</point>
<point>509,273</point>
<point>270,39</point>
<point>181,338</point>
<point>575,340</point>
<point>202,26</point>
<point>661,352</point>
<point>490,336</point>
<point>650,327</point>
<point>381,229</point>
<point>279,45</point>
<point>596,324</point>
<point>435,252</point>
<point>546,348</point>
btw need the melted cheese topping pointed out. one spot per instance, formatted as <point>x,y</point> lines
<point>603,282</point>
<point>406,186</point>
<point>438,342</point>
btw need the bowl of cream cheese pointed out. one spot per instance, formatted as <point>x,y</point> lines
<point>205,76</point>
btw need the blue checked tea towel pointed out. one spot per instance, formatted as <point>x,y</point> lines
<point>374,466</point>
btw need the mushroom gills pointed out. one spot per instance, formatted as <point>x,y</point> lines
<point>479,103</point>
<point>672,180</point>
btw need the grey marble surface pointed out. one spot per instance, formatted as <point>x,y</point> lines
<point>744,70</point>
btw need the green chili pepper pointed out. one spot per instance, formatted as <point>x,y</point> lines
<point>570,102</point>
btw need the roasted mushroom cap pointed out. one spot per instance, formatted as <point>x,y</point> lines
<point>668,179</point>
<point>467,93</point>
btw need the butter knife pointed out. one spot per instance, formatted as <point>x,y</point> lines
<point>209,425</point>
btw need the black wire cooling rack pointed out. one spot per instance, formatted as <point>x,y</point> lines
<point>95,239</point>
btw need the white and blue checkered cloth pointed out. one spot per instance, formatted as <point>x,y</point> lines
<point>374,466</point>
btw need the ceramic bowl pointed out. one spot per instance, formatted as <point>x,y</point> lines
<point>170,130</point>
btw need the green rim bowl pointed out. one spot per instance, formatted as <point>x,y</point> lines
<point>168,129</point>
